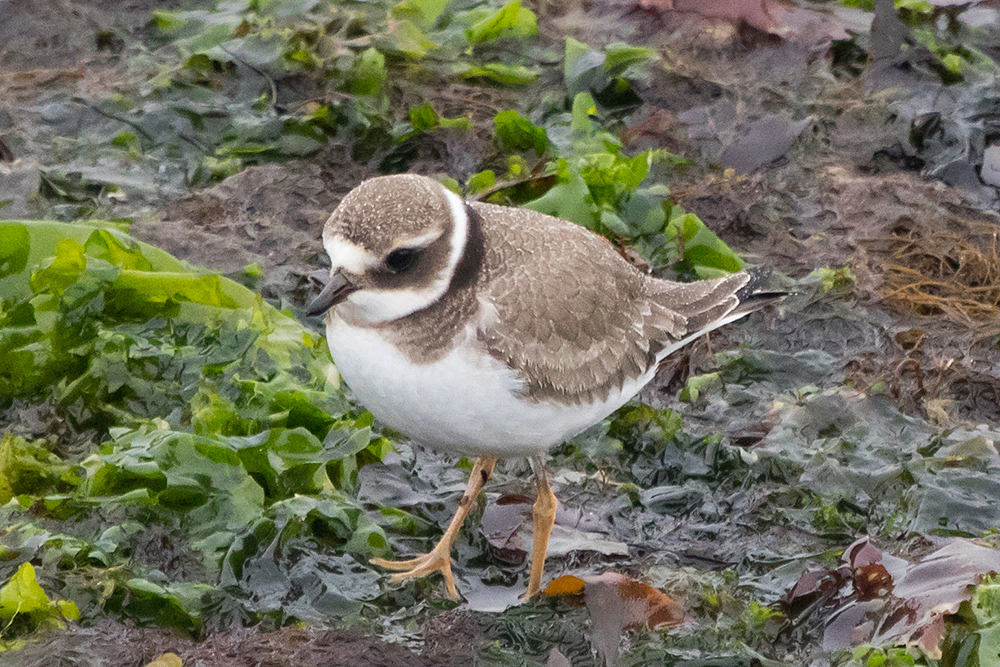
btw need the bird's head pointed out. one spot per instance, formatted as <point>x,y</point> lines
<point>394,243</point>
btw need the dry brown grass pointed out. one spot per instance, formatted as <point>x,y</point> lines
<point>953,272</point>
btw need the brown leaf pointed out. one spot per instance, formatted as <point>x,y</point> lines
<point>652,606</point>
<point>565,586</point>
<point>811,587</point>
<point>861,553</point>
<point>872,581</point>
<point>618,603</point>
<point>895,602</point>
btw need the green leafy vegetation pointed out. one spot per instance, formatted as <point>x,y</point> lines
<point>355,58</point>
<point>24,602</point>
<point>985,613</point>
<point>840,280</point>
<point>200,408</point>
<point>868,656</point>
<point>588,179</point>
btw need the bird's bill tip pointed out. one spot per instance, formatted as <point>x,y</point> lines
<point>338,289</point>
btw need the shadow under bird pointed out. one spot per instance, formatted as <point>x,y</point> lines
<point>496,332</point>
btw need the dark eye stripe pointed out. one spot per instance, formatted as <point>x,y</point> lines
<point>402,259</point>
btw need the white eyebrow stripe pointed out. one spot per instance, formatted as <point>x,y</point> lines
<point>421,241</point>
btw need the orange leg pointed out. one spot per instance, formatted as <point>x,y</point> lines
<point>543,517</point>
<point>439,558</point>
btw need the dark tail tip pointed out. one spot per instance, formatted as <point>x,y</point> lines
<point>758,293</point>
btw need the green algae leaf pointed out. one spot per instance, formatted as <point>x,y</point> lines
<point>699,249</point>
<point>370,74</point>
<point>110,326</point>
<point>173,605</point>
<point>579,59</point>
<point>570,199</point>
<point>424,119</point>
<point>103,244</point>
<point>349,447</point>
<point>698,386</point>
<point>284,461</point>
<point>367,539</point>
<point>584,107</point>
<point>30,468</point>
<point>45,237</point>
<point>507,75</point>
<point>639,426</point>
<point>344,442</point>
<point>159,289</point>
<point>23,597</point>
<point>15,242</point>
<point>211,407</point>
<point>985,602</point>
<point>621,56</point>
<point>69,610</point>
<point>609,69</point>
<point>201,476</point>
<point>334,520</point>
<point>63,270</point>
<point>517,133</point>
<point>409,39</point>
<point>296,560</point>
<point>168,21</point>
<point>511,20</point>
<point>985,607</point>
<point>423,13</point>
<point>22,594</point>
<point>481,181</point>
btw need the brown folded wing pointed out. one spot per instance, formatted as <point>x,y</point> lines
<point>573,318</point>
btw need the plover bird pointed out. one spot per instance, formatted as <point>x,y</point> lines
<point>496,332</point>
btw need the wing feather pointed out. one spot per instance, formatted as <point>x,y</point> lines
<point>573,318</point>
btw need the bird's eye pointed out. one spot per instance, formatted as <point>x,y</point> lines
<point>402,259</point>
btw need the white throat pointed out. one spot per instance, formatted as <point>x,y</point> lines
<point>374,306</point>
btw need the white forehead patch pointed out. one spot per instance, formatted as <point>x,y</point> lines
<point>348,256</point>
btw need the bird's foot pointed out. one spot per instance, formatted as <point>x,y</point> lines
<point>437,560</point>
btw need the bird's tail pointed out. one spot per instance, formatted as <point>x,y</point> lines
<point>757,293</point>
<point>709,304</point>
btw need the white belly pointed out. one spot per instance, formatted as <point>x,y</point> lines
<point>467,402</point>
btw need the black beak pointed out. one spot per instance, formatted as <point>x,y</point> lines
<point>338,289</point>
